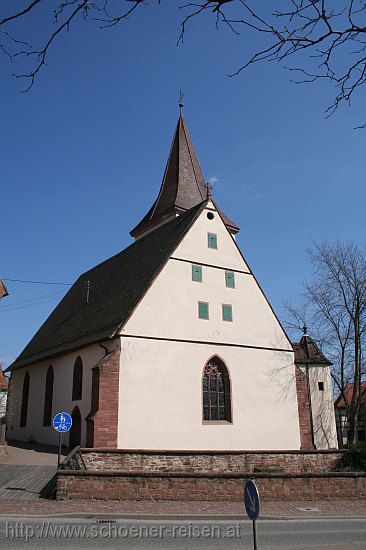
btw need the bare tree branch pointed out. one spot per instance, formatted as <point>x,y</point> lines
<point>335,300</point>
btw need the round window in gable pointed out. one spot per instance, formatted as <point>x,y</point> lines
<point>210,215</point>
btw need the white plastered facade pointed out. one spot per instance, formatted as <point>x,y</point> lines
<point>63,367</point>
<point>165,346</point>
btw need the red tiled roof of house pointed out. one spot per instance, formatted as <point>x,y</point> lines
<point>340,403</point>
<point>3,381</point>
<point>3,289</point>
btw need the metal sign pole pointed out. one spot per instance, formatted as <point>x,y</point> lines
<point>62,422</point>
<point>255,534</point>
<point>59,449</point>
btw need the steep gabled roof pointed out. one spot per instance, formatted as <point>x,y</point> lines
<point>115,288</point>
<point>306,351</point>
<point>183,185</point>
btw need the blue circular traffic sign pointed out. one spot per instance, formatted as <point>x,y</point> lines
<point>62,422</point>
<point>251,499</point>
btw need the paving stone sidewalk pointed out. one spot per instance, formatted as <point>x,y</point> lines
<point>85,508</point>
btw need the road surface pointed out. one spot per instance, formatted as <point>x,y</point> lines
<point>60,533</point>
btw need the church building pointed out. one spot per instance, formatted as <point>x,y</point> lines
<point>172,344</point>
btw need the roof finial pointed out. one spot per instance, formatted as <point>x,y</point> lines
<point>180,105</point>
<point>305,330</point>
<point>209,190</point>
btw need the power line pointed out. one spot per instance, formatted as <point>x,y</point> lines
<point>33,301</point>
<point>36,282</point>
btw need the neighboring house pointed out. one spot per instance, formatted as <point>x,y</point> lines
<point>3,399</point>
<point>170,344</point>
<point>3,380</point>
<point>341,415</point>
<point>3,289</point>
<point>3,394</point>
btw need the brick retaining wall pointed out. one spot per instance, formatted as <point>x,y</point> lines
<point>205,475</point>
<point>244,462</point>
<point>202,487</point>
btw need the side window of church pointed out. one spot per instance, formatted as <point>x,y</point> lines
<point>48,396</point>
<point>203,310</point>
<point>25,398</point>
<point>230,279</point>
<point>216,391</point>
<point>77,380</point>
<point>197,273</point>
<point>212,240</point>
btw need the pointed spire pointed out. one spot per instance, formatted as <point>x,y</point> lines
<point>183,184</point>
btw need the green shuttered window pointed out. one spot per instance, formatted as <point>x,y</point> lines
<point>197,273</point>
<point>230,279</point>
<point>212,240</point>
<point>227,312</point>
<point>203,310</point>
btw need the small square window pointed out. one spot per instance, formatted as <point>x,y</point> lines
<point>230,279</point>
<point>203,310</point>
<point>321,386</point>
<point>212,240</point>
<point>227,312</point>
<point>197,273</point>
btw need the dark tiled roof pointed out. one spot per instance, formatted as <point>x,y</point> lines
<point>227,221</point>
<point>183,184</point>
<point>306,351</point>
<point>116,287</point>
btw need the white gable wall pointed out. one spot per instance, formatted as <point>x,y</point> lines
<point>170,307</point>
<point>160,405</point>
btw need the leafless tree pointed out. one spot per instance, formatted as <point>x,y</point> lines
<point>326,38</point>
<point>334,306</point>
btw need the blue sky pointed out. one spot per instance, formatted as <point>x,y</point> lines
<point>83,154</point>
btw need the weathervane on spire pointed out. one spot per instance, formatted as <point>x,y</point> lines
<point>180,105</point>
<point>305,330</point>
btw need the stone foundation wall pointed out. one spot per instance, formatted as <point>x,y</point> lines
<point>222,487</point>
<point>244,462</point>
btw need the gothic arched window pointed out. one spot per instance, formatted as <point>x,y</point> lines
<point>25,397</point>
<point>216,391</point>
<point>48,396</point>
<point>77,380</point>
